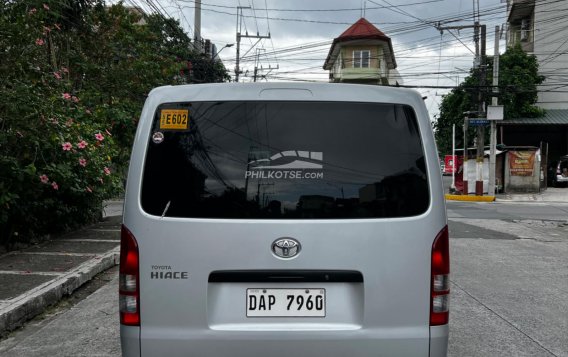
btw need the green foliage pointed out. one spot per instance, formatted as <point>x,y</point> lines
<point>518,81</point>
<point>73,78</point>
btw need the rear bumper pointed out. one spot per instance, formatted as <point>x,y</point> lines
<point>130,341</point>
<point>365,342</point>
<point>439,340</point>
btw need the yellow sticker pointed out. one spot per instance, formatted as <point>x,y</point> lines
<point>176,119</point>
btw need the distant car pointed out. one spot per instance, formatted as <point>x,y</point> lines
<point>558,172</point>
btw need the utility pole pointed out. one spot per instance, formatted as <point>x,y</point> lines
<point>479,58</point>
<point>494,101</point>
<point>465,156</point>
<point>256,65</point>
<point>454,161</point>
<point>481,111</point>
<point>197,26</point>
<point>256,62</point>
<point>239,36</point>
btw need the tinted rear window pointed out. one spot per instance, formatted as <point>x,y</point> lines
<point>284,160</point>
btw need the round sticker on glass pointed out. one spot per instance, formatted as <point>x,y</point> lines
<point>158,137</point>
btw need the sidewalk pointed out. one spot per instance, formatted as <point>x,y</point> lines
<point>36,277</point>
<point>551,194</point>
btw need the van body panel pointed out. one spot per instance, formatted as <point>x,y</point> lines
<point>183,313</point>
<point>439,340</point>
<point>130,341</point>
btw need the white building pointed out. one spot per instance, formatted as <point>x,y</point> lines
<point>540,26</point>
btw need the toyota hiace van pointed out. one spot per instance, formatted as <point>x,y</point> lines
<point>282,219</point>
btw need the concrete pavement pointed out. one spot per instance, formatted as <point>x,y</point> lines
<point>39,276</point>
<point>92,325</point>
<point>551,194</point>
<point>508,291</point>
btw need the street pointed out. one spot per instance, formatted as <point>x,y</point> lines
<point>509,290</point>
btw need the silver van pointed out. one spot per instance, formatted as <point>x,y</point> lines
<point>284,219</point>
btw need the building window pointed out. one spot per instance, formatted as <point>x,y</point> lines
<point>361,59</point>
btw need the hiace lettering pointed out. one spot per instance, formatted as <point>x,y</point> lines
<point>169,275</point>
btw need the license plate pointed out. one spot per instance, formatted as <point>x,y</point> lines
<point>285,302</point>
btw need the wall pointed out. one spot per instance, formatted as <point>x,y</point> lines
<point>472,174</point>
<point>550,32</point>
<point>523,183</point>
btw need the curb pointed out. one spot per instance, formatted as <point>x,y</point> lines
<point>32,303</point>
<point>469,198</point>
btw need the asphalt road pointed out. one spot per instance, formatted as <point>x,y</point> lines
<point>509,291</point>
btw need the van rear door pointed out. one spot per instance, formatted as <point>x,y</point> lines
<point>277,227</point>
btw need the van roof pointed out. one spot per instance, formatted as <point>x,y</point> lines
<point>283,91</point>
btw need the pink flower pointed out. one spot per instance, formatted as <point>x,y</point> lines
<point>44,179</point>
<point>66,146</point>
<point>89,190</point>
<point>55,185</point>
<point>39,42</point>
<point>82,162</point>
<point>82,144</point>
<point>32,11</point>
<point>75,99</point>
<point>107,171</point>
<point>99,137</point>
<point>46,7</point>
<point>57,75</point>
<point>66,96</point>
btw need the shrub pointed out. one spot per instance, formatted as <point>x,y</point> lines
<point>73,79</point>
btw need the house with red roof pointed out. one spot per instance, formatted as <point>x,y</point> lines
<point>362,54</point>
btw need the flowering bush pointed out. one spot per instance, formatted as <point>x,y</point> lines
<point>70,96</point>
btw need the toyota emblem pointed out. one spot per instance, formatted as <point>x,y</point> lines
<point>286,247</point>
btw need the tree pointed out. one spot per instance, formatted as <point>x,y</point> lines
<point>74,75</point>
<point>518,81</point>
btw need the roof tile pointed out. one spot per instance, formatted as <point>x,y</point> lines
<point>362,28</point>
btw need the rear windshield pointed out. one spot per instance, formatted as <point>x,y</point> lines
<point>284,160</point>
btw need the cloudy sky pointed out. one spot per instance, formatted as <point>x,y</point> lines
<point>302,30</point>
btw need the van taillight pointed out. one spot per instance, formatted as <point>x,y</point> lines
<point>440,279</point>
<point>129,287</point>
